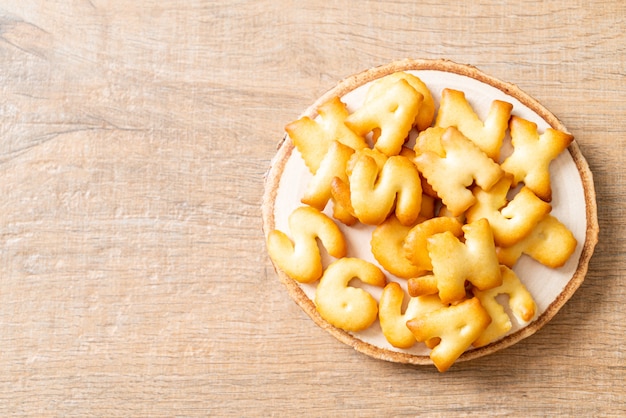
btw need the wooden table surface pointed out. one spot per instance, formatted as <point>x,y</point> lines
<point>134,137</point>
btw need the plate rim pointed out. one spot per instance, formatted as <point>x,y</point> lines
<point>285,147</point>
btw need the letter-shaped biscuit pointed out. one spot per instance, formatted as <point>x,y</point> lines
<point>374,191</point>
<point>392,113</point>
<point>393,321</point>
<point>416,240</point>
<point>510,221</point>
<point>426,112</point>
<point>455,262</point>
<point>521,302</point>
<point>301,259</point>
<point>454,110</point>
<point>313,137</point>
<point>457,327</point>
<point>318,191</point>
<point>549,243</point>
<point>463,164</point>
<point>387,247</point>
<point>346,307</point>
<point>532,155</point>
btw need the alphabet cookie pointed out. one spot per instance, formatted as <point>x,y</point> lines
<point>456,327</point>
<point>375,191</point>
<point>301,258</point>
<point>549,243</point>
<point>511,220</point>
<point>346,307</point>
<point>426,112</point>
<point>521,303</point>
<point>392,113</point>
<point>532,155</point>
<point>455,110</point>
<point>312,138</point>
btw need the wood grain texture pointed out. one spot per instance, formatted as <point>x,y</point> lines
<point>134,137</point>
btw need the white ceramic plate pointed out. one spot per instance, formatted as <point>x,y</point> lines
<point>573,203</point>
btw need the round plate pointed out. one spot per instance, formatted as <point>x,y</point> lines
<point>573,203</point>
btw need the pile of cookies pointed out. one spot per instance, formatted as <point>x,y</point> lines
<point>452,214</point>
